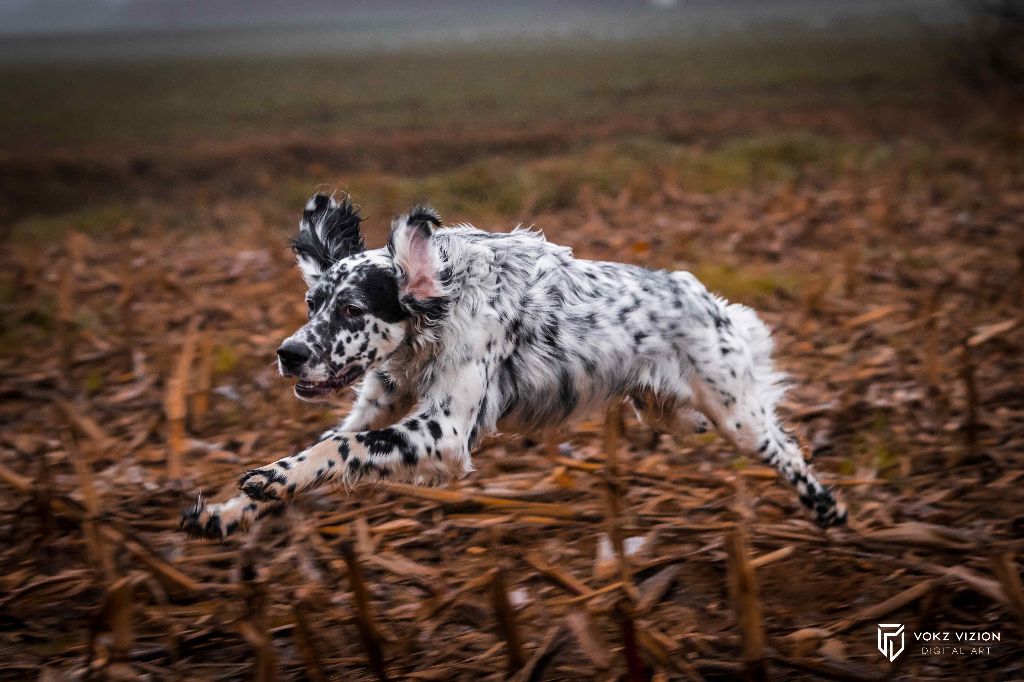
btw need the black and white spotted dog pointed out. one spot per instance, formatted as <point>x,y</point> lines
<point>458,333</point>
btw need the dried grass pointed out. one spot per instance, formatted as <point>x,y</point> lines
<point>126,388</point>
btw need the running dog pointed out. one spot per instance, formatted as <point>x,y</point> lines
<point>457,334</point>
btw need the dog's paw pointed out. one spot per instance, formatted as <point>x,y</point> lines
<point>202,521</point>
<point>831,515</point>
<point>264,484</point>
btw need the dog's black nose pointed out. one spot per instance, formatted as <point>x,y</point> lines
<point>293,356</point>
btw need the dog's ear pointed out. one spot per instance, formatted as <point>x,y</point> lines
<point>412,246</point>
<point>328,232</point>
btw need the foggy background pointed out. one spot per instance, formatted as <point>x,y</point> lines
<point>125,29</point>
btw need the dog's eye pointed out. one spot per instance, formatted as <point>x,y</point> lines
<point>354,311</point>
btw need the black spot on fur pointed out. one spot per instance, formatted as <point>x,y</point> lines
<point>212,529</point>
<point>509,384</point>
<point>481,415</point>
<point>435,429</point>
<point>389,440</point>
<point>379,291</point>
<point>352,324</point>
<point>567,392</point>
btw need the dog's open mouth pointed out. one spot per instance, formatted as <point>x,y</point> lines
<point>316,390</point>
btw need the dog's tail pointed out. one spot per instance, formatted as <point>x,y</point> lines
<point>770,384</point>
<point>760,429</point>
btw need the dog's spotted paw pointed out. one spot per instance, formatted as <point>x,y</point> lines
<point>830,514</point>
<point>265,484</point>
<point>219,521</point>
<point>201,521</point>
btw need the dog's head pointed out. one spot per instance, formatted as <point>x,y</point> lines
<point>363,305</point>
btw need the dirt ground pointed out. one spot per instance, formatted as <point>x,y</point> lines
<point>137,369</point>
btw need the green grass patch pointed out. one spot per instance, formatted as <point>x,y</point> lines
<point>94,381</point>
<point>511,187</point>
<point>225,359</point>
<point>876,448</point>
<point>92,220</point>
<point>748,284</point>
<point>21,329</point>
<point>518,186</point>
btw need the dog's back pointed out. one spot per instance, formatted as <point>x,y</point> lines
<point>565,335</point>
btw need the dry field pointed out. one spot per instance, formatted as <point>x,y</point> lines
<point>143,291</point>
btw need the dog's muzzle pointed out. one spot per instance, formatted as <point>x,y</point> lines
<point>319,390</point>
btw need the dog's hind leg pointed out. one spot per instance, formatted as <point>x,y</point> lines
<point>668,415</point>
<point>736,386</point>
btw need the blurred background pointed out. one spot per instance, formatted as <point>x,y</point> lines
<point>851,169</point>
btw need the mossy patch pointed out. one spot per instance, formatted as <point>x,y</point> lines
<point>749,283</point>
<point>92,220</point>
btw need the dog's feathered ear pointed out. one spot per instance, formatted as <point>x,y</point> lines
<point>420,263</point>
<point>328,232</point>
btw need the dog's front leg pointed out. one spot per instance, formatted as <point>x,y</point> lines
<point>379,400</point>
<point>430,444</point>
<point>423,447</point>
